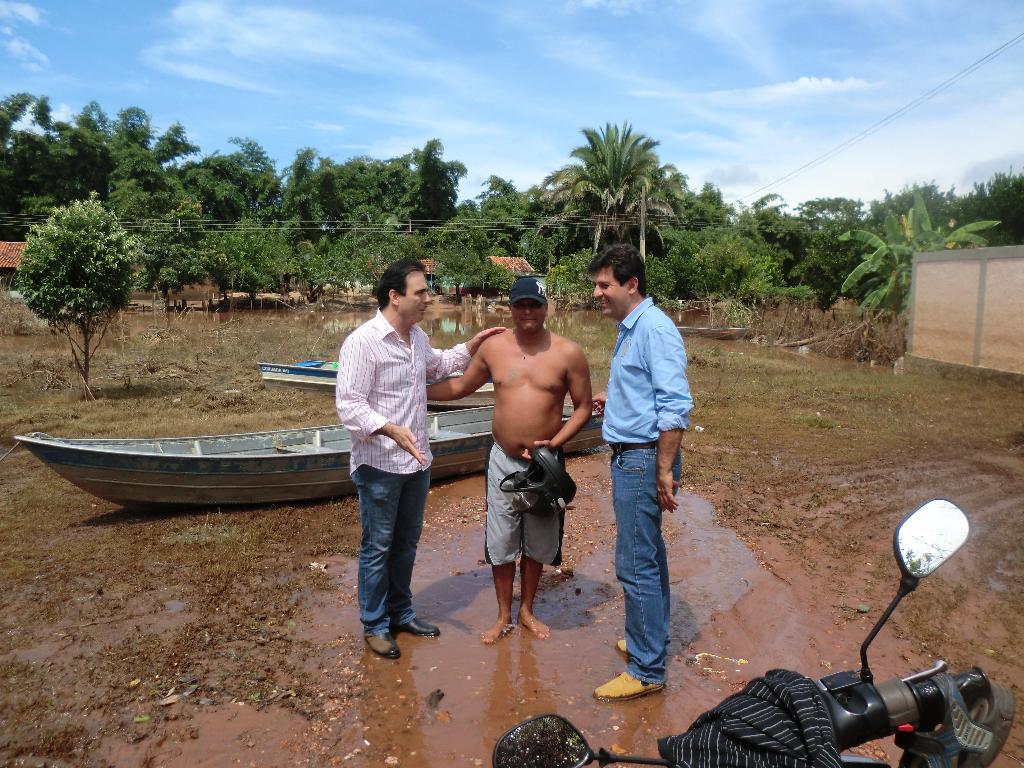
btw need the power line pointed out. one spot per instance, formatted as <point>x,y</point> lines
<point>330,226</point>
<point>926,96</point>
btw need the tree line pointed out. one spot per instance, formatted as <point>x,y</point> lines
<point>236,219</point>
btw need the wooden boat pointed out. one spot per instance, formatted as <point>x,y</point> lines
<point>720,333</point>
<point>254,468</point>
<point>322,376</point>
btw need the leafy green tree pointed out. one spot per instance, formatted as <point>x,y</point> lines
<point>827,261</point>
<point>437,182</point>
<point>173,251</point>
<point>660,278</point>
<point>768,221</point>
<point>374,242</point>
<point>570,277</point>
<point>243,184</point>
<point>76,274</point>
<point>1002,198</point>
<point>707,208</point>
<point>498,278</point>
<point>388,187</point>
<point>460,253</point>
<point>882,279</point>
<point>942,206</point>
<point>141,186</point>
<point>504,210</point>
<point>617,172</point>
<point>250,258</point>
<point>730,265</point>
<point>301,199</point>
<point>316,265</point>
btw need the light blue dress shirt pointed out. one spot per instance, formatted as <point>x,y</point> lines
<point>647,388</point>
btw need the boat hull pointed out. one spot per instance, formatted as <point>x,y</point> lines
<point>281,466</point>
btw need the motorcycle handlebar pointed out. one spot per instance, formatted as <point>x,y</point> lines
<point>922,704</point>
<point>865,711</point>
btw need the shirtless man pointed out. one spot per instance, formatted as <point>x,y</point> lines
<point>532,370</point>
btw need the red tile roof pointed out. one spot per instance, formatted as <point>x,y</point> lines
<point>517,265</point>
<point>10,255</point>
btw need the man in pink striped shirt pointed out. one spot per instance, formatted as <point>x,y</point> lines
<point>381,398</point>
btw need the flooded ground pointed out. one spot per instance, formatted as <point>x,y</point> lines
<point>231,637</point>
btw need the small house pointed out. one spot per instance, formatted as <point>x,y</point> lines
<point>10,258</point>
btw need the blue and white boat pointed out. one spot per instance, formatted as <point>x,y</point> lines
<point>322,376</point>
<point>319,375</point>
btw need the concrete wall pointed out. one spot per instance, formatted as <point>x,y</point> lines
<point>967,308</point>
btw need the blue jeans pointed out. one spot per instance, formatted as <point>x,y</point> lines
<point>391,515</point>
<point>641,563</point>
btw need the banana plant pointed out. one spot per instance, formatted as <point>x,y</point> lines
<point>882,279</point>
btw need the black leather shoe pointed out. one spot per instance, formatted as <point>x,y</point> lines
<point>417,627</point>
<point>383,645</point>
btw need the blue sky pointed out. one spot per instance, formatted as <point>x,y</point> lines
<point>737,92</point>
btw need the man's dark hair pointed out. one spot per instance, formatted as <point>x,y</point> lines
<point>394,278</point>
<point>625,262</point>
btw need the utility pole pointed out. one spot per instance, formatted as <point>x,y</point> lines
<point>643,227</point>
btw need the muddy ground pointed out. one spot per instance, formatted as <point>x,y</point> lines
<point>231,637</point>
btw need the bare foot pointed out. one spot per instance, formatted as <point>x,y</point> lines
<point>496,632</point>
<point>541,630</point>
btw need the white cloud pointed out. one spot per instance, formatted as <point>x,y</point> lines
<point>164,59</point>
<point>801,89</point>
<point>30,57</point>
<point>734,175</point>
<point>739,28</point>
<point>250,48</point>
<point>62,113</point>
<point>316,125</point>
<point>20,12</point>
<point>616,7</point>
<point>984,170</point>
<point>431,116</point>
<point>939,143</point>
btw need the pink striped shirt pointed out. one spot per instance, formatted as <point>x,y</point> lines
<point>381,380</point>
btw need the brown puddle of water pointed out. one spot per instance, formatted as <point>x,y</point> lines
<point>447,700</point>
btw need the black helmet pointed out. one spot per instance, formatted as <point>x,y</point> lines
<point>543,488</point>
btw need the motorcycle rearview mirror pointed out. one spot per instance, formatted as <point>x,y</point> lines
<point>925,539</point>
<point>929,537</point>
<point>548,740</point>
<point>551,741</point>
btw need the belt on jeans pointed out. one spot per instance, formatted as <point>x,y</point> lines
<point>618,448</point>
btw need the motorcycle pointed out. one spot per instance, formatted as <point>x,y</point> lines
<point>940,720</point>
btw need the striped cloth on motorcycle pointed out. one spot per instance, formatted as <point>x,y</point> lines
<point>777,721</point>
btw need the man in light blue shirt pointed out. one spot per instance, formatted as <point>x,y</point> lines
<point>646,409</point>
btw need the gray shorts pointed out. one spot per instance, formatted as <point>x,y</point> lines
<point>510,534</point>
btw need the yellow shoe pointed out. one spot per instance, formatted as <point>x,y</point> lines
<point>620,646</point>
<point>625,687</point>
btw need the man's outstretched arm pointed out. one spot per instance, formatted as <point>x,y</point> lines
<point>453,388</point>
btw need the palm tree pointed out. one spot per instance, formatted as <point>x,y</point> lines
<point>617,175</point>
<point>883,277</point>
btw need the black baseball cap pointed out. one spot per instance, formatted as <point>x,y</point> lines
<point>527,288</point>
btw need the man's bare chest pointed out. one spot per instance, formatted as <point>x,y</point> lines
<point>544,371</point>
